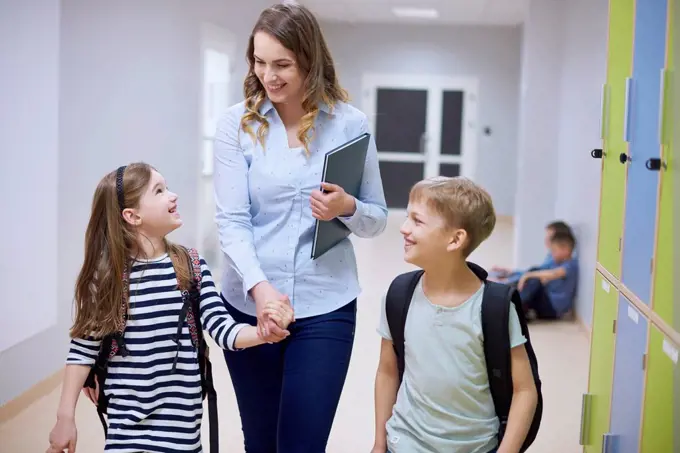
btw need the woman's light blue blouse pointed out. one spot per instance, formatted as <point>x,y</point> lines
<point>264,216</point>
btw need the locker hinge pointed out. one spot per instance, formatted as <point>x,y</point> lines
<point>614,326</point>
<point>651,265</point>
<point>619,244</point>
<point>644,361</point>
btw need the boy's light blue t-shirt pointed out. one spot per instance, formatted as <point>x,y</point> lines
<point>444,402</point>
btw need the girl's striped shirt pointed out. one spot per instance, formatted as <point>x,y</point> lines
<point>151,408</point>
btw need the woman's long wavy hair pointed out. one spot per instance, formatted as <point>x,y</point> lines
<point>296,28</point>
<point>110,245</point>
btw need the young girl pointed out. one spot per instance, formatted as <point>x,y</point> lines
<point>152,407</point>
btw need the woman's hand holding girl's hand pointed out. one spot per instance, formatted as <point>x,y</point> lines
<point>63,436</point>
<point>267,329</point>
<point>279,312</point>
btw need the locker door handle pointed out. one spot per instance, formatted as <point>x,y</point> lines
<point>655,164</point>
<point>586,401</point>
<point>626,114</point>
<point>609,443</point>
<point>597,153</point>
<point>623,158</point>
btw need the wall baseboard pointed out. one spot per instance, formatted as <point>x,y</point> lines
<point>14,407</point>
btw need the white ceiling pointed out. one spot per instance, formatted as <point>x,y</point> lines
<point>470,12</point>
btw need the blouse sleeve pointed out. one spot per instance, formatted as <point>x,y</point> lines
<point>370,217</point>
<point>232,202</point>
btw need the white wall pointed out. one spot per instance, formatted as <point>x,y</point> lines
<point>578,174</point>
<point>539,122</point>
<point>564,67</point>
<point>490,53</point>
<point>130,89</point>
<point>29,92</point>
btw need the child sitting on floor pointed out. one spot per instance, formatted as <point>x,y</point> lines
<point>549,291</point>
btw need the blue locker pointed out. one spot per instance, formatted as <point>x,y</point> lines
<point>642,131</point>
<point>628,382</point>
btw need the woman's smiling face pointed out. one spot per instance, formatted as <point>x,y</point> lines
<point>277,69</point>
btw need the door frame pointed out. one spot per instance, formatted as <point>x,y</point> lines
<point>435,86</point>
<point>219,39</point>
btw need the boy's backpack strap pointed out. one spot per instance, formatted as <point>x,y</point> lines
<point>203,354</point>
<point>495,320</point>
<point>397,303</point>
<point>497,301</point>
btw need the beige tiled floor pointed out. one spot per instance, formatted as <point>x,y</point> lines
<point>562,349</point>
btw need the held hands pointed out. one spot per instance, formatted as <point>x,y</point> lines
<point>63,436</point>
<point>271,307</point>
<point>334,203</point>
<point>280,312</point>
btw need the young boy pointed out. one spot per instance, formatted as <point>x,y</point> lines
<point>510,276</point>
<point>550,290</point>
<point>444,403</point>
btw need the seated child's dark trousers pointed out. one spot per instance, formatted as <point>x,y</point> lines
<point>535,298</point>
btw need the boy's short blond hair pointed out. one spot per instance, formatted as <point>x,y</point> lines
<point>461,203</point>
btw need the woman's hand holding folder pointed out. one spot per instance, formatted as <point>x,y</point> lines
<point>332,202</point>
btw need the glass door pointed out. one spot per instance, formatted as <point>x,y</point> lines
<point>423,127</point>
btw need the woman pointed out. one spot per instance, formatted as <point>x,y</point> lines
<point>269,154</point>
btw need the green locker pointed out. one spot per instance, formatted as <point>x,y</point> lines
<point>597,402</point>
<point>657,422</point>
<point>619,68</point>
<point>662,302</point>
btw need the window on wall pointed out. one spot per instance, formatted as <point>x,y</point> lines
<point>217,70</point>
<point>216,75</point>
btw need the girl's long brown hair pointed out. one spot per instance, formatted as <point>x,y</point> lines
<point>110,245</point>
<point>296,28</point>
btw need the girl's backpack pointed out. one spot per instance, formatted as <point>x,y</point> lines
<point>115,343</point>
<point>496,303</point>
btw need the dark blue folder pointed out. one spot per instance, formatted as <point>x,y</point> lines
<point>343,166</point>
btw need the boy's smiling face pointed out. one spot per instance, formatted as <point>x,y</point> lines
<point>427,237</point>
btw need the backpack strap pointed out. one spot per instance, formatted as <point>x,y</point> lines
<point>495,319</point>
<point>397,303</point>
<point>118,338</point>
<point>110,346</point>
<point>195,297</point>
<point>497,302</point>
<point>203,354</point>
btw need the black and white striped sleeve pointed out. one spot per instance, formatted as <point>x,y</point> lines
<point>83,351</point>
<point>215,318</point>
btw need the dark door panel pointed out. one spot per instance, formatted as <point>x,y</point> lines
<point>400,119</point>
<point>398,178</point>
<point>452,122</point>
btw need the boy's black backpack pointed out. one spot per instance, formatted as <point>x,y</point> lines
<point>496,305</point>
<point>115,343</point>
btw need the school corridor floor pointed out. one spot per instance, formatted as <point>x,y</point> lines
<point>562,350</point>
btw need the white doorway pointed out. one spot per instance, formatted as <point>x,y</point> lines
<point>217,56</point>
<point>424,126</point>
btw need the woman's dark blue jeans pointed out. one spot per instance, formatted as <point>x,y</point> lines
<point>288,392</point>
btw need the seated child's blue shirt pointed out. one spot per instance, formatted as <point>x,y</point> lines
<point>562,291</point>
<point>516,275</point>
